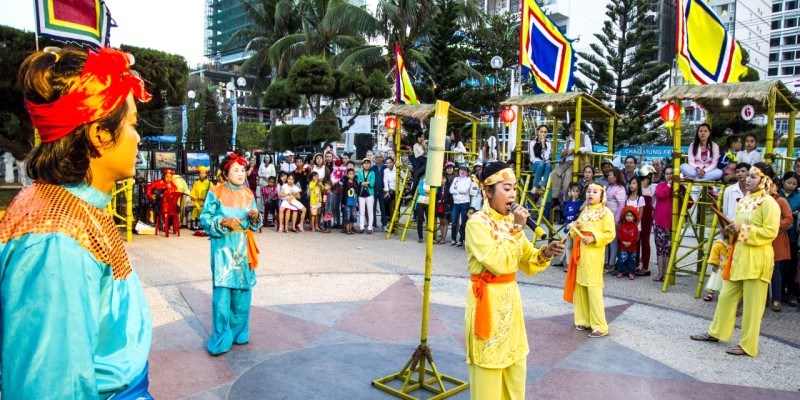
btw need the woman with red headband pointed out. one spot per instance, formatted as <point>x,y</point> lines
<point>230,216</point>
<point>75,320</point>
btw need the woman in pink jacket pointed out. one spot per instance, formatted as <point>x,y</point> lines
<point>662,227</point>
<point>703,157</point>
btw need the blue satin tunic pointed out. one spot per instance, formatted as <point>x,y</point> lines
<point>69,329</point>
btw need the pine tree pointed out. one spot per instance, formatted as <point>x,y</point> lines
<point>625,69</point>
<point>444,68</point>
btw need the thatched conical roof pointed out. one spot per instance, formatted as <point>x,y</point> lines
<point>757,94</point>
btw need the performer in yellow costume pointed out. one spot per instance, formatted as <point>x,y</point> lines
<point>748,273</point>
<point>199,192</point>
<point>594,228</point>
<point>497,344</point>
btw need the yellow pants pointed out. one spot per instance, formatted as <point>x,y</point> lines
<point>754,292</point>
<point>589,309</point>
<point>498,383</point>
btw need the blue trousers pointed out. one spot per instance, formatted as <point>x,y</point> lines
<point>459,214</point>
<point>540,169</point>
<point>230,319</point>
<point>627,262</point>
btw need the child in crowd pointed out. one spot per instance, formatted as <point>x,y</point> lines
<point>315,200</point>
<point>628,242</point>
<point>750,154</point>
<point>282,178</point>
<point>662,219</point>
<point>727,162</point>
<point>291,205</point>
<point>717,261</point>
<point>269,194</point>
<point>338,175</point>
<point>350,202</point>
<point>635,198</point>
<point>571,209</point>
<point>327,217</point>
<point>470,211</point>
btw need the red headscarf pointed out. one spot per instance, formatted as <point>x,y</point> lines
<point>235,158</point>
<point>104,84</point>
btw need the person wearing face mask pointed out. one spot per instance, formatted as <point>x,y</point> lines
<point>230,216</point>
<point>460,191</point>
<point>497,345</point>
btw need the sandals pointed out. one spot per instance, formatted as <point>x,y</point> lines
<point>776,306</point>
<point>581,327</point>
<point>705,337</point>
<point>708,298</point>
<point>736,351</point>
<point>597,334</point>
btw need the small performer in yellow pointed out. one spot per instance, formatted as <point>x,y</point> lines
<point>595,228</point>
<point>497,344</point>
<point>199,192</point>
<point>748,272</point>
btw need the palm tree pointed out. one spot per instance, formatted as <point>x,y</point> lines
<point>327,28</point>
<point>273,19</point>
<point>405,22</point>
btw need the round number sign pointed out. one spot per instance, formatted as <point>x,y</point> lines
<point>748,112</point>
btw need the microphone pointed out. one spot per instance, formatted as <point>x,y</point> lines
<point>530,222</point>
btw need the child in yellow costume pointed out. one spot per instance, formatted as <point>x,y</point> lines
<point>717,261</point>
<point>748,273</point>
<point>594,229</point>
<point>199,192</point>
<point>497,344</point>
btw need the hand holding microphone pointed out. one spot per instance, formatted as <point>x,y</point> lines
<point>522,216</point>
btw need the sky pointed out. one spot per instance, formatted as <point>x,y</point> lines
<point>172,26</point>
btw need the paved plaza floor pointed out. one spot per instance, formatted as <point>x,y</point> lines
<point>333,312</point>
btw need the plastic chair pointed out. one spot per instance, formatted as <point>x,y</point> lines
<point>170,210</point>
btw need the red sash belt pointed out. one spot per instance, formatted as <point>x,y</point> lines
<point>572,269</point>
<point>483,313</point>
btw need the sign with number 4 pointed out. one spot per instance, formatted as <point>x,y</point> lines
<point>748,112</point>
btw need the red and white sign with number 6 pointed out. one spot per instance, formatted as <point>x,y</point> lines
<point>748,112</point>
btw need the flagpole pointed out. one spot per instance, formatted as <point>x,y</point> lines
<point>36,30</point>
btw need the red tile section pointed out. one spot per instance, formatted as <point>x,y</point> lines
<point>178,374</point>
<point>268,330</point>
<point>569,384</point>
<point>393,316</point>
<point>551,342</point>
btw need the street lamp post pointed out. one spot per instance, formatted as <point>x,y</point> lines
<point>497,64</point>
<point>191,95</point>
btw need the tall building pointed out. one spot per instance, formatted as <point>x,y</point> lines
<point>748,21</point>
<point>223,19</point>
<point>784,43</point>
<point>664,21</point>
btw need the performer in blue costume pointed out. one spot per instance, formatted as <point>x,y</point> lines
<point>74,319</point>
<point>230,216</point>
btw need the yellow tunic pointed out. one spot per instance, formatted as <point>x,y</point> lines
<point>491,246</point>
<point>753,257</point>
<point>199,193</point>
<point>315,193</point>
<point>590,266</point>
